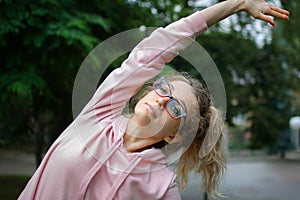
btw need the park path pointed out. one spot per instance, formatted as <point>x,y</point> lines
<point>255,180</point>
<point>12,162</point>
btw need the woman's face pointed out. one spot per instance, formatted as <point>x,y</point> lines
<point>151,113</point>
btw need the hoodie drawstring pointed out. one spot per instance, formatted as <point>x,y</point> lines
<point>97,166</point>
<point>122,177</point>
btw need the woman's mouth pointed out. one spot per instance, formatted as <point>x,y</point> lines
<point>150,108</point>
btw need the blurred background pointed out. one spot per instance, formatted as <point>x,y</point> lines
<point>43,44</point>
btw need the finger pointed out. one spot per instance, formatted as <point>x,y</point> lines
<point>280,10</point>
<point>266,19</point>
<point>279,13</point>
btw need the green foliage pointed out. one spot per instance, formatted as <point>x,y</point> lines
<point>257,84</point>
<point>21,83</point>
<point>42,45</point>
<point>286,38</point>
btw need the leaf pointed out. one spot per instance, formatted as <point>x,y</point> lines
<point>22,83</point>
<point>96,20</point>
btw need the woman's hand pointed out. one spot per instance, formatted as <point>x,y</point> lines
<point>259,9</point>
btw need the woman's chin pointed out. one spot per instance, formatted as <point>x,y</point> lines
<point>141,120</point>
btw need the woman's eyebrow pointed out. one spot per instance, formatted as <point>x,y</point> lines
<point>172,87</point>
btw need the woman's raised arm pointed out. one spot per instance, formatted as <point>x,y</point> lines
<point>259,9</point>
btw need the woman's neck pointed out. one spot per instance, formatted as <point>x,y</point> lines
<point>135,139</point>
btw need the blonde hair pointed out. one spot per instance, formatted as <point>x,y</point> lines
<point>206,154</point>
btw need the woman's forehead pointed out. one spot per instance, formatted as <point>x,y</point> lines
<point>183,91</point>
<point>181,86</point>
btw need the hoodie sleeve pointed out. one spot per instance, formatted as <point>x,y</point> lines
<point>144,62</point>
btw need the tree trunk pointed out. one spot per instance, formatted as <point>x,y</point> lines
<point>39,148</point>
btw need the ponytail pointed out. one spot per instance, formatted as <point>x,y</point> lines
<point>206,154</point>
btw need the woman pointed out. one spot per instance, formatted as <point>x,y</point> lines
<point>105,155</point>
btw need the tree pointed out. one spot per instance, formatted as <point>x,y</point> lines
<point>287,39</point>
<point>257,78</point>
<point>42,45</point>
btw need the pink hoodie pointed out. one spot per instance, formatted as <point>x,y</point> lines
<point>88,160</point>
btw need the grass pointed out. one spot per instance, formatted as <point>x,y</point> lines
<point>12,185</point>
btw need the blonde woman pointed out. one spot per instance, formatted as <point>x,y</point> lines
<point>106,155</point>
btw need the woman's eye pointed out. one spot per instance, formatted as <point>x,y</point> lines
<point>175,109</point>
<point>163,90</point>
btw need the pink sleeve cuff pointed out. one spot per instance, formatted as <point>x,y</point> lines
<point>197,21</point>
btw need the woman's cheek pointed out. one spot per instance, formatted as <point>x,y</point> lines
<point>141,116</point>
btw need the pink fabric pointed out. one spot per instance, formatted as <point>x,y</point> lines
<point>88,160</point>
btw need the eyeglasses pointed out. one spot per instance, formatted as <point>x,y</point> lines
<point>174,108</point>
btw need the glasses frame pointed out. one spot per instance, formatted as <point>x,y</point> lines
<point>172,98</point>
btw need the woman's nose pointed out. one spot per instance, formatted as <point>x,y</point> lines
<point>162,101</point>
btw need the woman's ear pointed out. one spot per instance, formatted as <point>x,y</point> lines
<point>171,139</point>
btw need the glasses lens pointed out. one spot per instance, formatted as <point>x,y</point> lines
<point>161,87</point>
<point>175,109</point>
